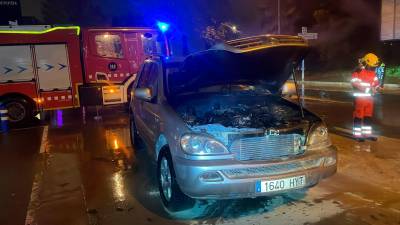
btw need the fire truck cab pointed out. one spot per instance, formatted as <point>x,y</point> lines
<point>47,68</point>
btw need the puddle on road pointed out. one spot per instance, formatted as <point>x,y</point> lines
<point>118,143</point>
<point>362,147</point>
<point>290,209</point>
<point>119,179</point>
<point>120,185</point>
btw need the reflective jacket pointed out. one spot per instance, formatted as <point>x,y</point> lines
<point>364,82</point>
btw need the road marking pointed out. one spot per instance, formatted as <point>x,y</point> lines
<point>34,202</point>
<point>361,198</point>
<point>44,142</point>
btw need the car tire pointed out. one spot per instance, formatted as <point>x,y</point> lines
<point>20,111</point>
<point>172,197</point>
<point>135,139</point>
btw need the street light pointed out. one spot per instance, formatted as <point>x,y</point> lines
<point>234,29</point>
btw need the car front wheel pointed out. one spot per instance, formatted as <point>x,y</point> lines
<point>171,195</point>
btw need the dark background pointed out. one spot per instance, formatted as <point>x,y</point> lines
<point>9,10</point>
<point>347,29</point>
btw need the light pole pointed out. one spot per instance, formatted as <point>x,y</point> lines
<point>164,27</point>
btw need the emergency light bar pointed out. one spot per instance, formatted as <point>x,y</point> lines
<point>164,27</point>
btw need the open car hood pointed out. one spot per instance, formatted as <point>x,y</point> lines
<point>270,66</point>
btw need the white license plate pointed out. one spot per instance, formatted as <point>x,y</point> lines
<point>281,184</point>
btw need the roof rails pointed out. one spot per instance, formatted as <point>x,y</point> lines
<point>266,41</point>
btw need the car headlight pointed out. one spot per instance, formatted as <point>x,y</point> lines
<point>318,137</point>
<point>197,144</point>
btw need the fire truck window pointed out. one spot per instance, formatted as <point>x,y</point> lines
<point>149,43</point>
<point>148,78</point>
<point>109,45</point>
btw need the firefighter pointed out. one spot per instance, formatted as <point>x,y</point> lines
<point>365,84</point>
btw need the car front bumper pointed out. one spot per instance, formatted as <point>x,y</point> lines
<point>230,179</point>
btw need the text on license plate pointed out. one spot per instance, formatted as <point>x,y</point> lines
<point>280,184</point>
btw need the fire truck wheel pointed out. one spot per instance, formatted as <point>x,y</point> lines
<point>20,110</point>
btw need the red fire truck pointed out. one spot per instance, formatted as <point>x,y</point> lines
<point>46,67</point>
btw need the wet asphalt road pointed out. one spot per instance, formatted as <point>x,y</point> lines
<point>70,170</point>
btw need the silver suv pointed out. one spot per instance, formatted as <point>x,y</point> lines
<point>218,128</point>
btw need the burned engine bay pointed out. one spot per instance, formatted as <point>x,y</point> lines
<point>228,117</point>
<point>261,112</point>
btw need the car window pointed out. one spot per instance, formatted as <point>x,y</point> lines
<point>148,78</point>
<point>144,75</point>
<point>109,45</point>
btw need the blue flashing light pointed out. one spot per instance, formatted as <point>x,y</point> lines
<point>163,26</point>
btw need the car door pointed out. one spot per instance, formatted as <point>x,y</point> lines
<point>146,116</point>
<point>138,104</point>
<point>151,109</point>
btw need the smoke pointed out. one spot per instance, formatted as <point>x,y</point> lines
<point>347,29</point>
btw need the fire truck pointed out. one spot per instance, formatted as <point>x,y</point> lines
<point>46,67</point>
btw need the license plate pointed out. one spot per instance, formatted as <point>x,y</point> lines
<point>280,184</point>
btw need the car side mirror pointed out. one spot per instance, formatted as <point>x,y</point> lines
<point>144,94</point>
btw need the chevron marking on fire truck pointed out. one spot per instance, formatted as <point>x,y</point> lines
<point>49,67</point>
<point>7,69</point>
<point>21,69</point>
<point>62,66</point>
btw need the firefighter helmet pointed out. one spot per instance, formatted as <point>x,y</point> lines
<point>370,59</point>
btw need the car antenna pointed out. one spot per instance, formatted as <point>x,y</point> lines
<point>297,92</point>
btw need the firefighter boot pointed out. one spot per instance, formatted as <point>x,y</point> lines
<point>367,130</point>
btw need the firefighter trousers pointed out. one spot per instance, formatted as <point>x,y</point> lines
<point>363,111</point>
<point>363,107</point>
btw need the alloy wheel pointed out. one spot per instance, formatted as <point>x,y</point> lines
<point>166,179</point>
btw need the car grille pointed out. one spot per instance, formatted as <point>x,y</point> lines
<point>271,170</point>
<point>267,147</point>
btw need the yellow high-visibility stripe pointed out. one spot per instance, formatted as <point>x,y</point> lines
<point>77,28</point>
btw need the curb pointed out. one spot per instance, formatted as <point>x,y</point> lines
<point>394,87</point>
